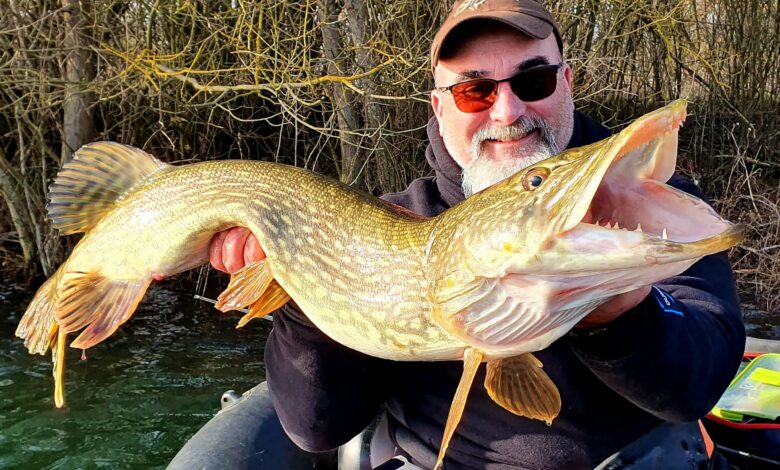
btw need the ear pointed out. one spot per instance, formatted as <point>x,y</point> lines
<point>437,102</point>
<point>568,74</point>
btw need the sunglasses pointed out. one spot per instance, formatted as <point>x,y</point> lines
<point>532,84</point>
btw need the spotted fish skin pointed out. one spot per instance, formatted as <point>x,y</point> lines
<point>351,262</point>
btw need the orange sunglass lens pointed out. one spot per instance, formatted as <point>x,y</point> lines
<point>474,96</point>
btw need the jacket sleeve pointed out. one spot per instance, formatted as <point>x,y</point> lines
<point>323,392</point>
<point>677,351</point>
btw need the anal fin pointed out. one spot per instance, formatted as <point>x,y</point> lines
<point>70,301</point>
<point>471,361</point>
<point>521,387</point>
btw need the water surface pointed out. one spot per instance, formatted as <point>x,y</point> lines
<point>143,392</point>
<point>139,395</point>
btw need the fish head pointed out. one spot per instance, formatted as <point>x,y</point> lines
<point>562,236</point>
<point>601,208</point>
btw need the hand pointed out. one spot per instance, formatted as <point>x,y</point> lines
<point>614,307</point>
<point>233,249</point>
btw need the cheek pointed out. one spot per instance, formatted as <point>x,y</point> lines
<point>548,109</point>
<point>557,110</point>
<point>459,127</point>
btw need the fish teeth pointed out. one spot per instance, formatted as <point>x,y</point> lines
<point>664,235</point>
<point>638,227</point>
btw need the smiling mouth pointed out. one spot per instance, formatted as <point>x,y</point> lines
<point>512,138</point>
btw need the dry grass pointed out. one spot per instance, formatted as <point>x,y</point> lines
<point>340,87</point>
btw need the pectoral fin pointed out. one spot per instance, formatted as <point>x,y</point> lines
<point>253,286</point>
<point>471,361</point>
<point>520,386</point>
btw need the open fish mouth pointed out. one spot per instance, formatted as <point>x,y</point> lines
<point>633,217</point>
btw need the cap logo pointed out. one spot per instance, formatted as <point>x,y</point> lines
<point>469,5</point>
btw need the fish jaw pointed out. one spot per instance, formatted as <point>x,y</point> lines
<point>629,218</point>
<point>646,150</point>
<point>627,228</point>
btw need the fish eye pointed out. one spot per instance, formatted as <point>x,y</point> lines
<point>534,178</point>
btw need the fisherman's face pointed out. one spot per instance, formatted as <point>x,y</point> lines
<point>494,144</point>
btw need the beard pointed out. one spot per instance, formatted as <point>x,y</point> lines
<point>483,172</point>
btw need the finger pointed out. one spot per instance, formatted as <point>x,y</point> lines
<point>252,251</point>
<point>233,249</point>
<point>215,251</point>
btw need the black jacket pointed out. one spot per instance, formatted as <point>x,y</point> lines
<point>616,383</point>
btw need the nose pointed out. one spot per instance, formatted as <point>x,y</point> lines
<point>508,107</point>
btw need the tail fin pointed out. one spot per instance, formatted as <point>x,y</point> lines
<point>69,302</point>
<point>39,330</point>
<point>86,188</point>
<point>38,327</point>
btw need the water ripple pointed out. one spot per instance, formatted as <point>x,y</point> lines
<point>139,395</point>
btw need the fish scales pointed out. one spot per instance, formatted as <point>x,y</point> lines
<point>346,290</point>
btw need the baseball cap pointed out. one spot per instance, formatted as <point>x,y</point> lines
<point>527,16</point>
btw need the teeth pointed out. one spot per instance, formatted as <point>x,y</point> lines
<point>664,235</point>
<point>638,227</point>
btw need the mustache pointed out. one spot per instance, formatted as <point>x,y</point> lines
<point>481,172</point>
<point>520,128</point>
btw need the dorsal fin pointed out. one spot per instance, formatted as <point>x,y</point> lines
<point>89,186</point>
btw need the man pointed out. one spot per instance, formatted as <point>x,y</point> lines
<point>502,102</point>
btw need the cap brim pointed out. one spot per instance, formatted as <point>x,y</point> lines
<point>527,24</point>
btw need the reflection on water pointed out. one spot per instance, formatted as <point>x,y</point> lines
<point>139,395</point>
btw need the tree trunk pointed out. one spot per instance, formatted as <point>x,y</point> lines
<point>78,124</point>
<point>376,119</point>
<point>10,183</point>
<point>352,159</point>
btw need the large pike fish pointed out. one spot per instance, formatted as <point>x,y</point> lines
<point>493,279</point>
